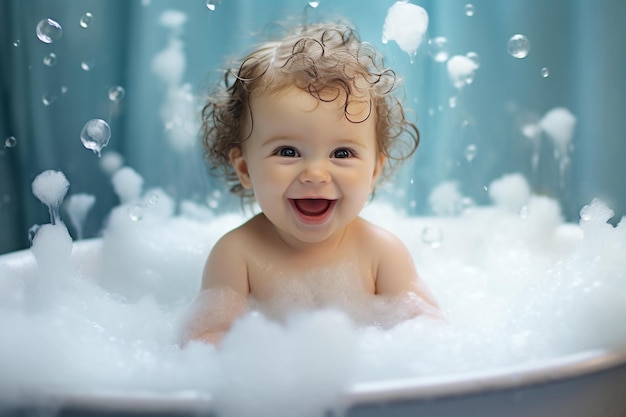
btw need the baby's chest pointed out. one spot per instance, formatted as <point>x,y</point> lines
<point>311,281</point>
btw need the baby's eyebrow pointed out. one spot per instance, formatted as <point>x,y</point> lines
<point>278,138</point>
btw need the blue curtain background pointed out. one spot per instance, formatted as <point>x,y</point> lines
<point>580,42</point>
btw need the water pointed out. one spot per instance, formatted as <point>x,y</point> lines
<point>49,30</point>
<point>95,135</point>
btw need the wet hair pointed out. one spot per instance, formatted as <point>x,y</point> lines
<point>330,62</point>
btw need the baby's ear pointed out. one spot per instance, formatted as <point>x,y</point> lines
<point>239,164</point>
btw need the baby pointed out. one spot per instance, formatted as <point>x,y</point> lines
<point>307,128</point>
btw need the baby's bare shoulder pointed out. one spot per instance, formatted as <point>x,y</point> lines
<point>376,237</point>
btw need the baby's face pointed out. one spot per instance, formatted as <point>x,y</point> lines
<point>310,168</point>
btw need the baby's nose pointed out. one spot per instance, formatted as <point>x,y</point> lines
<point>315,172</point>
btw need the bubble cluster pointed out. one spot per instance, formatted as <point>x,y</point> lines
<point>518,46</point>
<point>95,135</point>
<point>49,30</point>
<point>469,10</point>
<point>438,49</point>
<point>470,152</point>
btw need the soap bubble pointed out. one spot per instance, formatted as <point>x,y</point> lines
<point>95,135</point>
<point>116,93</point>
<point>48,30</point>
<point>87,65</point>
<point>10,142</point>
<point>212,4</point>
<point>432,236</point>
<point>518,46</point>
<point>470,152</point>
<point>438,49</point>
<point>48,99</point>
<point>545,72</point>
<point>16,43</point>
<point>469,9</point>
<point>50,60</point>
<point>86,20</point>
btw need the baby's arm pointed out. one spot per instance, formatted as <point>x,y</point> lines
<point>396,274</point>
<point>222,298</point>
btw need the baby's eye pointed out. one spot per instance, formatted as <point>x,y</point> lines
<point>342,153</point>
<point>287,152</point>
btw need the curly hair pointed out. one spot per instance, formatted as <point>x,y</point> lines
<point>330,62</point>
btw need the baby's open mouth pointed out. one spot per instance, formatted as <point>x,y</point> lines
<point>312,207</point>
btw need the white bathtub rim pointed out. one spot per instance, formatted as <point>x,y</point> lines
<point>426,388</point>
<point>575,365</point>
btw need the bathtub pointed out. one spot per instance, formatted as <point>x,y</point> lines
<point>582,385</point>
<point>588,383</point>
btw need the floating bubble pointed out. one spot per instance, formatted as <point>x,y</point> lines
<point>452,102</point>
<point>432,236</point>
<point>87,65</point>
<point>438,49</point>
<point>116,93</point>
<point>469,9</point>
<point>470,152</point>
<point>50,60</point>
<point>16,43</point>
<point>314,4</point>
<point>86,20</point>
<point>10,142</point>
<point>545,72</point>
<point>518,46</point>
<point>212,4</point>
<point>48,99</point>
<point>95,135</point>
<point>49,30</point>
